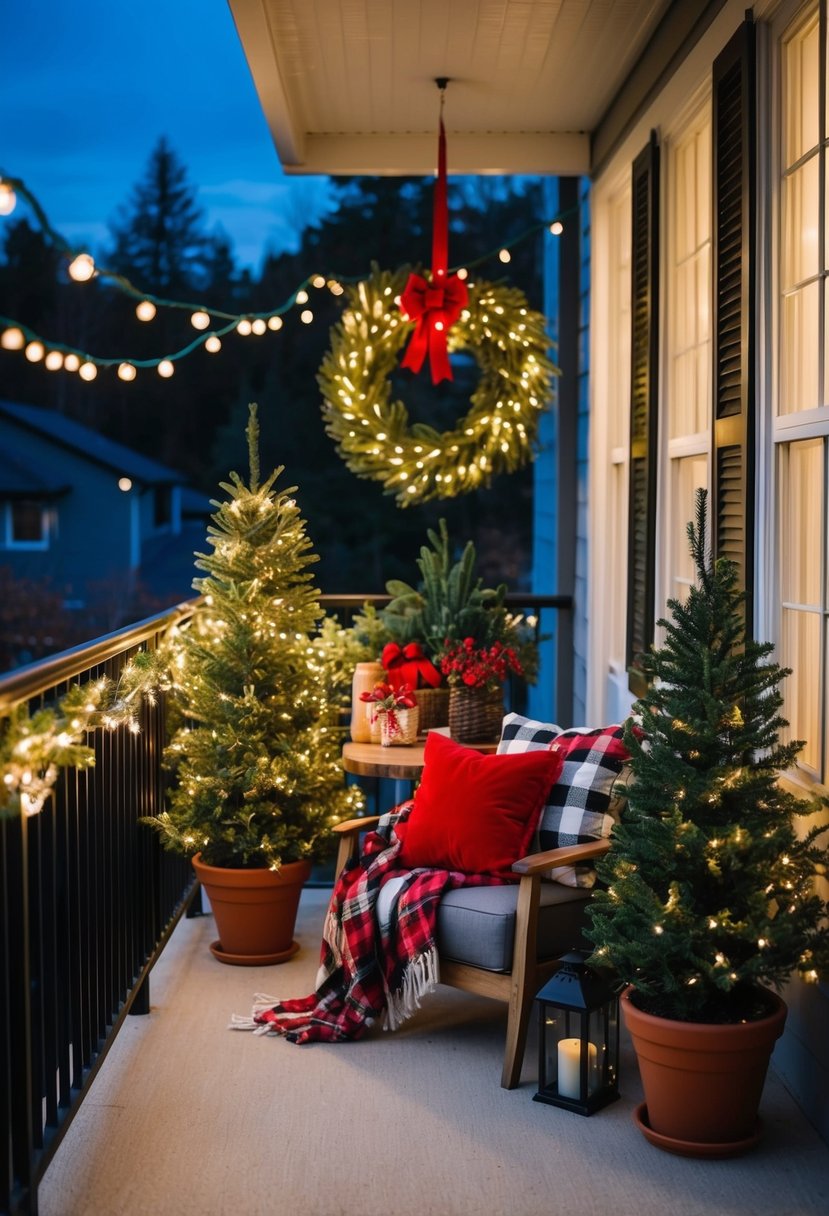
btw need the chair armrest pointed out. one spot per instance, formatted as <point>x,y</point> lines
<point>568,855</point>
<point>357,825</point>
<point>349,834</point>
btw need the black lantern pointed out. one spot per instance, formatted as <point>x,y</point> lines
<point>578,1039</point>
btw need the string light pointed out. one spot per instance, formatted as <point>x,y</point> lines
<point>53,361</point>
<point>34,351</point>
<point>82,268</point>
<point>8,198</point>
<point>12,339</point>
<point>556,228</point>
<point>126,371</point>
<point>87,371</point>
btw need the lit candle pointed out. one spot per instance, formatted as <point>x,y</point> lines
<point>569,1061</point>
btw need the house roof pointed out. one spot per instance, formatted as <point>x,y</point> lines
<point>19,479</point>
<point>535,86</point>
<point>83,441</point>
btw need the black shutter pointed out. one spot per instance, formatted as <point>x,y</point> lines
<point>733,145</point>
<point>643,409</point>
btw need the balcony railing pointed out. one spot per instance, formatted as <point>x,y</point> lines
<point>88,899</point>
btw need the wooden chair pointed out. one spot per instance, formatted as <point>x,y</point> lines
<point>546,920</point>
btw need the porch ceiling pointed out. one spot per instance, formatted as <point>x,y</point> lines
<point>347,86</point>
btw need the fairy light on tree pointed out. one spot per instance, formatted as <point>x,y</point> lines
<point>711,881</point>
<point>259,775</point>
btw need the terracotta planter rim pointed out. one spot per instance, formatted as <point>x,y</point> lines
<point>256,875</point>
<point>708,1036</point>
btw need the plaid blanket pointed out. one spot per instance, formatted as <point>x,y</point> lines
<point>368,969</point>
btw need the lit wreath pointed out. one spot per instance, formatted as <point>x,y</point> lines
<point>417,463</point>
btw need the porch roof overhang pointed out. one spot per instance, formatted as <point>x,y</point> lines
<point>536,86</point>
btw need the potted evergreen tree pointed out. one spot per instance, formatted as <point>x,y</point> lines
<point>710,885</point>
<point>257,755</point>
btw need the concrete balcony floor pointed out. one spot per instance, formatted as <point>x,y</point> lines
<point>187,1117</point>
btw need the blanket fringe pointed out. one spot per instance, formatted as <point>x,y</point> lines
<point>261,1001</point>
<point>420,978</point>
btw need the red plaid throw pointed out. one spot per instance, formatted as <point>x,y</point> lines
<point>366,969</point>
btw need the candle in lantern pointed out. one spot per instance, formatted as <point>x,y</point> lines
<point>569,1063</point>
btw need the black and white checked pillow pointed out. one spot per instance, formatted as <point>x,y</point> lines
<point>583,804</point>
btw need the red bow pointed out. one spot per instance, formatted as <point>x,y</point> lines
<point>409,665</point>
<point>436,307</point>
<point>435,304</point>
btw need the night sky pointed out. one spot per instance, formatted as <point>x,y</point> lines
<point>88,86</point>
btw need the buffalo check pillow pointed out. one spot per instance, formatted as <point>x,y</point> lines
<point>583,804</point>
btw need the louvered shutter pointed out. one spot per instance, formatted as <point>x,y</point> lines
<point>643,409</point>
<point>733,143</point>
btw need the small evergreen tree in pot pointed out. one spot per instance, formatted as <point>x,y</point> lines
<point>710,889</point>
<point>257,757</point>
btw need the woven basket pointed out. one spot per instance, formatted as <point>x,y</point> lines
<point>433,704</point>
<point>374,721</point>
<point>398,727</point>
<point>475,715</point>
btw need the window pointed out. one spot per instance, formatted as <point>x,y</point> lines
<point>688,340</point>
<point>801,419</point>
<point>25,524</point>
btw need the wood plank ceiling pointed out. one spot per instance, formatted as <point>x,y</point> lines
<point>347,86</point>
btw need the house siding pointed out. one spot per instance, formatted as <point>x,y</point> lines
<point>801,1057</point>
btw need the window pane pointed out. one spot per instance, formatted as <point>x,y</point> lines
<point>800,650</point>
<point>799,353</point>
<point>27,522</point>
<point>688,474</point>
<point>801,92</point>
<point>801,523</point>
<point>801,197</point>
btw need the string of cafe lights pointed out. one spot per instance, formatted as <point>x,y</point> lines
<point>212,325</point>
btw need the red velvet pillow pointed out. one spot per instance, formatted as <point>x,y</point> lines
<point>473,812</point>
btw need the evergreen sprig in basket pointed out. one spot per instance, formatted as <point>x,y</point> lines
<point>476,697</point>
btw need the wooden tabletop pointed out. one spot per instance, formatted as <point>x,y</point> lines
<point>400,763</point>
<point>374,760</point>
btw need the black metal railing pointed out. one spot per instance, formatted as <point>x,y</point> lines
<point>88,899</point>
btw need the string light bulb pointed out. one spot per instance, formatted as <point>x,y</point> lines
<point>87,371</point>
<point>200,320</point>
<point>71,362</point>
<point>8,198</point>
<point>244,327</point>
<point>126,371</point>
<point>166,369</point>
<point>275,323</point>
<point>34,351</point>
<point>82,268</point>
<point>12,339</point>
<point>259,326</point>
<point>556,228</point>
<point>306,316</point>
<point>302,297</point>
<point>145,310</point>
<point>53,361</point>
<point>505,256</point>
<point>213,344</point>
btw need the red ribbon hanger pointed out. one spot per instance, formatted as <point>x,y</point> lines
<point>435,303</point>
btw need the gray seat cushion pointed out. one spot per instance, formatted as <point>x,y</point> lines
<point>476,925</point>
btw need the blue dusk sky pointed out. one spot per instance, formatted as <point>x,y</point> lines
<point>88,87</point>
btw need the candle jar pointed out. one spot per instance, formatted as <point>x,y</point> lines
<point>366,675</point>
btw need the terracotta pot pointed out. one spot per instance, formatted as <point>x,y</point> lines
<point>702,1082</point>
<point>255,911</point>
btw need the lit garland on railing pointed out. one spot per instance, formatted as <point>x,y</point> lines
<point>56,356</point>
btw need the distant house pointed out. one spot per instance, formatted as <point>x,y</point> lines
<point>79,510</point>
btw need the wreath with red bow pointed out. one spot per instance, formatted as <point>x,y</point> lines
<point>372,432</point>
